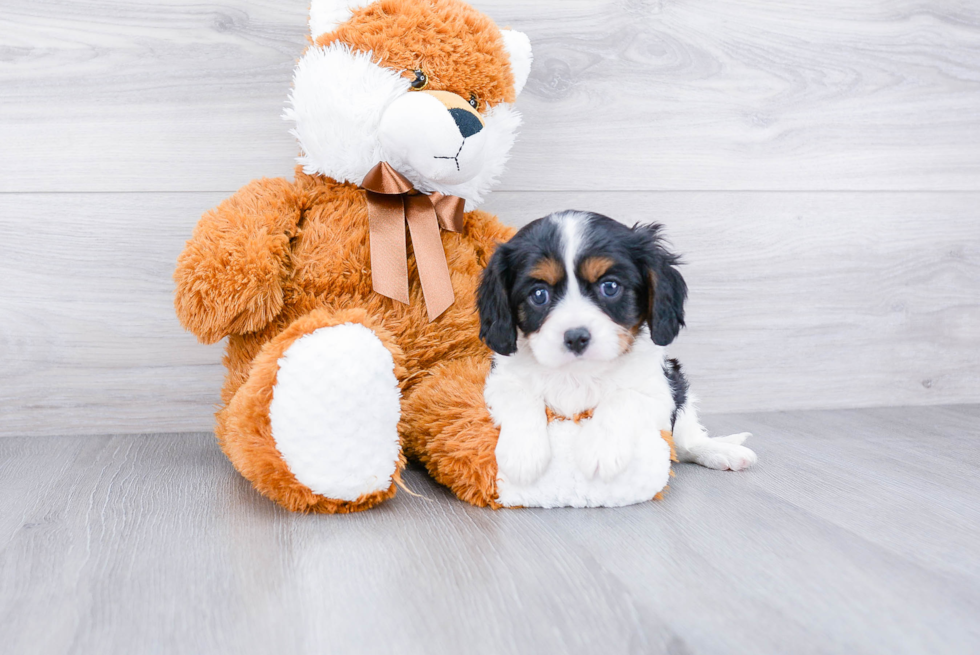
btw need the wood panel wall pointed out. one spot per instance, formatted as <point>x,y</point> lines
<point>818,164</point>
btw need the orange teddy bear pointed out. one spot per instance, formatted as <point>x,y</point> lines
<point>349,349</point>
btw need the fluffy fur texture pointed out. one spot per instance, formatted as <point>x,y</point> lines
<point>282,269</point>
<point>324,280</point>
<point>563,484</point>
<point>244,428</point>
<point>353,105</point>
<point>586,338</point>
<point>446,426</point>
<point>616,457</point>
<point>338,99</point>
<point>519,49</point>
<point>349,446</point>
<point>460,49</point>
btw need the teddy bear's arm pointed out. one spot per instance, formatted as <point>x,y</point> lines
<point>229,277</point>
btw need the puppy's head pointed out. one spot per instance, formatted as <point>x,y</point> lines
<point>577,286</point>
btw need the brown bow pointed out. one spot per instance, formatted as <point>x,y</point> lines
<point>392,202</point>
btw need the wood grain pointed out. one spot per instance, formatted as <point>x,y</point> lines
<point>89,336</point>
<point>798,300</point>
<point>624,94</point>
<point>856,532</point>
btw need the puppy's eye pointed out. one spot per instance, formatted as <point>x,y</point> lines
<point>421,79</point>
<point>539,297</point>
<point>610,289</point>
<point>474,103</point>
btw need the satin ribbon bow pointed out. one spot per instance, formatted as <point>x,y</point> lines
<point>393,202</point>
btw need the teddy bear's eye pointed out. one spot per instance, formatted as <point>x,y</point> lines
<point>474,103</point>
<point>421,79</point>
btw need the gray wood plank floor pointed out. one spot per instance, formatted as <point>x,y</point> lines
<point>856,533</point>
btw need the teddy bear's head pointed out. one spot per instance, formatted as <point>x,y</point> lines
<point>425,85</point>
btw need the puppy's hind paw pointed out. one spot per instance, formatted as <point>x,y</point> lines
<point>724,456</point>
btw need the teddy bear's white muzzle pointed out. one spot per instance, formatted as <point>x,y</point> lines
<point>441,145</point>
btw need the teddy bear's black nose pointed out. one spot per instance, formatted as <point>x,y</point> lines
<point>467,123</point>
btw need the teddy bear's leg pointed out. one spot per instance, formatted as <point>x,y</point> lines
<point>446,426</point>
<point>315,426</point>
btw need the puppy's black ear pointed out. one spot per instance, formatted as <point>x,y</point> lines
<point>667,290</point>
<point>497,327</point>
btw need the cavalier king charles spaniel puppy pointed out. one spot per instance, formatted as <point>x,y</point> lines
<point>578,309</point>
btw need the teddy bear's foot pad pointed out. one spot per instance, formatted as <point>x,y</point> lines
<point>335,412</point>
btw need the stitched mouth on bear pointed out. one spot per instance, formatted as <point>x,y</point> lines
<point>455,157</point>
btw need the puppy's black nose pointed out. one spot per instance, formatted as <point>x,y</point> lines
<point>467,123</point>
<point>577,340</point>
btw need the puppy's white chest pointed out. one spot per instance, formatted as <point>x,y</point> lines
<point>568,396</point>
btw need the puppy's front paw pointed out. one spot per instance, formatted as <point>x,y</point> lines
<point>723,455</point>
<point>603,453</point>
<point>522,455</point>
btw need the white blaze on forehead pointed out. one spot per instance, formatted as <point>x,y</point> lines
<point>571,225</point>
<point>574,309</point>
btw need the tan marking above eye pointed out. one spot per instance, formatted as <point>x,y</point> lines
<point>548,270</point>
<point>593,268</point>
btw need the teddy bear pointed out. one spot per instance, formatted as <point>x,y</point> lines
<point>348,295</point>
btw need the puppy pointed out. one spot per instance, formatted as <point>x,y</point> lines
<point>578,309</point>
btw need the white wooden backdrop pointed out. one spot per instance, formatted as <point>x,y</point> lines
<point>817,162</point>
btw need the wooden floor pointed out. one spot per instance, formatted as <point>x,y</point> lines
<point>858,532</point>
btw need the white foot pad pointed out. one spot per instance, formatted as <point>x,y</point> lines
<point>335,411</point>
<point>563,484</point>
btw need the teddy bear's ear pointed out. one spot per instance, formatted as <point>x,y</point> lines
<point>519,48</point>
<point>327,15</point>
